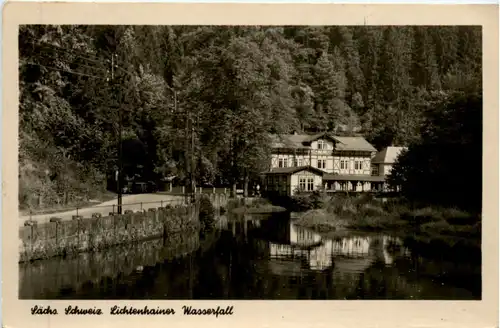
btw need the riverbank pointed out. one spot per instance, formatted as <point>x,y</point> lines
<point>369,214</point>
<point>258,206</point>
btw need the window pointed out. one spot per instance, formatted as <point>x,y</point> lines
<point>374,169</point>
<point>302,184</point>
<point>321,163</point>
<point>301,162</point>
<point>343,164</point>
<point>285,162</point>
<point>310,184</point>
<point>280,162</point>
<point>358,165</point>
<point>321,144</point>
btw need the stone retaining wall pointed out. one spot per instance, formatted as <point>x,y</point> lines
<point>92,234</point>
<point>46,240</point>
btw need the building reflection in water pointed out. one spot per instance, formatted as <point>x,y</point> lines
<point>351,253</point>
<point>294,250</point>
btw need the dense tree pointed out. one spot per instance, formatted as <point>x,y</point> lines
<point>445,166</point>
<point>206,98</point>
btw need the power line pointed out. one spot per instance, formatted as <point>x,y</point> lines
<point>99,61</point>
<point>87,66</point>
<point>107,62</point>
<point>94,60</point>
<point>62,70</point>
<point>71,51</point>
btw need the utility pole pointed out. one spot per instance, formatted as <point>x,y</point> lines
<point>188,148</point>
<point>193,183</point>
<point>114,65</point>
<point>186,158</point>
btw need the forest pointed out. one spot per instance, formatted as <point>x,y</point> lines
<point>206,99</point>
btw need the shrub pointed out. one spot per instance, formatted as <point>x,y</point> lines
<point>318,199</point>
<point>300,203</point>
<point>346,206</point>
<point>422,216</point>
<point>96,215</point>
<point>320,220</point>
<point>54,219</point>
<point>436,227</point>
<point>458,217</point>
<point>371,209</point>
<point>395,206</point>
<point>207,213</point>
<point>258,202</point>
<point>365,199</point>
<point>369,222</point>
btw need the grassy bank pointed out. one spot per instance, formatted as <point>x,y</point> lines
<point>258,206</point>
<point>324,214</point>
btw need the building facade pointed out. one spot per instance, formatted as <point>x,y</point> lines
<point>290,180</point>
<point>332,163</point>
<point>383,162</point>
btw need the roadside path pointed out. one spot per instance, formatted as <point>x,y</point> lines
<point>129,202</point>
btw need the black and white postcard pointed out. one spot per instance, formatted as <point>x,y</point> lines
<point>250,165</point>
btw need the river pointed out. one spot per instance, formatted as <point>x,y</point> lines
<point>263,257</point>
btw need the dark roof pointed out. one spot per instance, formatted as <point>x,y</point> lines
<point>387,155</point>
<point>289,141</point>
<point>292,170</point>
<point>354,143</point>
<point>353,177</point>
<point>300,141</point>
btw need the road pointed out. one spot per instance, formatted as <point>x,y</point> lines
<point>129,202</point>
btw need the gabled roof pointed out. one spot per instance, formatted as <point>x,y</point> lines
<point>292,170</point>
<point>300,141</point>
<point>353,144</point>
<point>289,141</point>
<point>387,155</point>
<point>314,137</point>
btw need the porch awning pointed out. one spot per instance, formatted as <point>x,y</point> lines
<point>353,177</point>
<point>293,169</point>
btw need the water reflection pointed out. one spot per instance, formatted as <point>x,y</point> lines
<point>261,257</point>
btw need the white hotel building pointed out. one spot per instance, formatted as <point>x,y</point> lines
<point>304,163</point>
